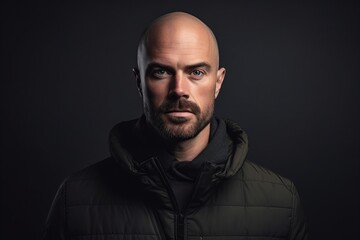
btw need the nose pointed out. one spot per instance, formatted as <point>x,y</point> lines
<point>179,86</point>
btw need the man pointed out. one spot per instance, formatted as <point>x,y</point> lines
<point>177,172</point>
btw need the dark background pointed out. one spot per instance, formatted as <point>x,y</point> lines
<point>292,83</point>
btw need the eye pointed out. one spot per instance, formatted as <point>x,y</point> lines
<point>197,74</point>
<point>159,73</point>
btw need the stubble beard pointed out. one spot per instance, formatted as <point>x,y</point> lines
<point>179,129</point>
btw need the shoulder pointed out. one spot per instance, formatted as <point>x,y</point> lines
<point>100,183</point>
<point>252,172</point>
<point>94,171</point>
<point>276,193</point>
<point>254,185</point>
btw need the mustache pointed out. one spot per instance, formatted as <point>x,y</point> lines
<point>181,105</point>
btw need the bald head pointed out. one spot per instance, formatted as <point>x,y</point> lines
<point>177,29</point>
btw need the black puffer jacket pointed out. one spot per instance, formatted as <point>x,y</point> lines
<point>120,198</point>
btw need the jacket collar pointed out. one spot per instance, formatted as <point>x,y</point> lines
<point>134,154</point>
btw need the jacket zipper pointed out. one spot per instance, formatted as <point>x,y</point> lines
<point>180,227</point>
<point>179,217</point>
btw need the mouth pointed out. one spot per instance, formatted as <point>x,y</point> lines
<point>179,113</point>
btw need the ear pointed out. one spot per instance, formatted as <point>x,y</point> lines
<point>220,76</point>
<point>138,80</point>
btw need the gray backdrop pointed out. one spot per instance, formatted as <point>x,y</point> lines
<point>292,83</point>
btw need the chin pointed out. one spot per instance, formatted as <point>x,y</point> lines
<point>180,131</point>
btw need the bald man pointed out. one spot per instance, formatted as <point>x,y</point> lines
<point>177,172</point>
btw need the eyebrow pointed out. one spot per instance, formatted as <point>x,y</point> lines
<point>205,65</point>
<point>169,68</point>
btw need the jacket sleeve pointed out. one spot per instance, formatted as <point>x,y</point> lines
<point>299,227</point>
<point>55,228</point>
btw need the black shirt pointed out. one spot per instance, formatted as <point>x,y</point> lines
<point>182,175</point>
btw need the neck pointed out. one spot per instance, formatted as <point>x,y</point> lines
<point>189,149</point>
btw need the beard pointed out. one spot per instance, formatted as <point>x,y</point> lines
<point>179,128</point>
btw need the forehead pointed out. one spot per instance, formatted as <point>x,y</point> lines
<point>181,44</point>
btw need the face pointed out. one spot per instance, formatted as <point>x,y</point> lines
<point>179,81</point>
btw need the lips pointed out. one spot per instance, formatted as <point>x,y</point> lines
<point>178,110</point>
<point>175,115</point>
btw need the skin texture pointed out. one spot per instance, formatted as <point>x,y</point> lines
<point>179,78</point>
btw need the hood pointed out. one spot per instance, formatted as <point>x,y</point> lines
<point>135,156</point>
<point>130,150</point>
<point>240,149</point>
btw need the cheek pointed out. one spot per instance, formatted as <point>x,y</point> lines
<point>156,93</point>
<point>206,95</point>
